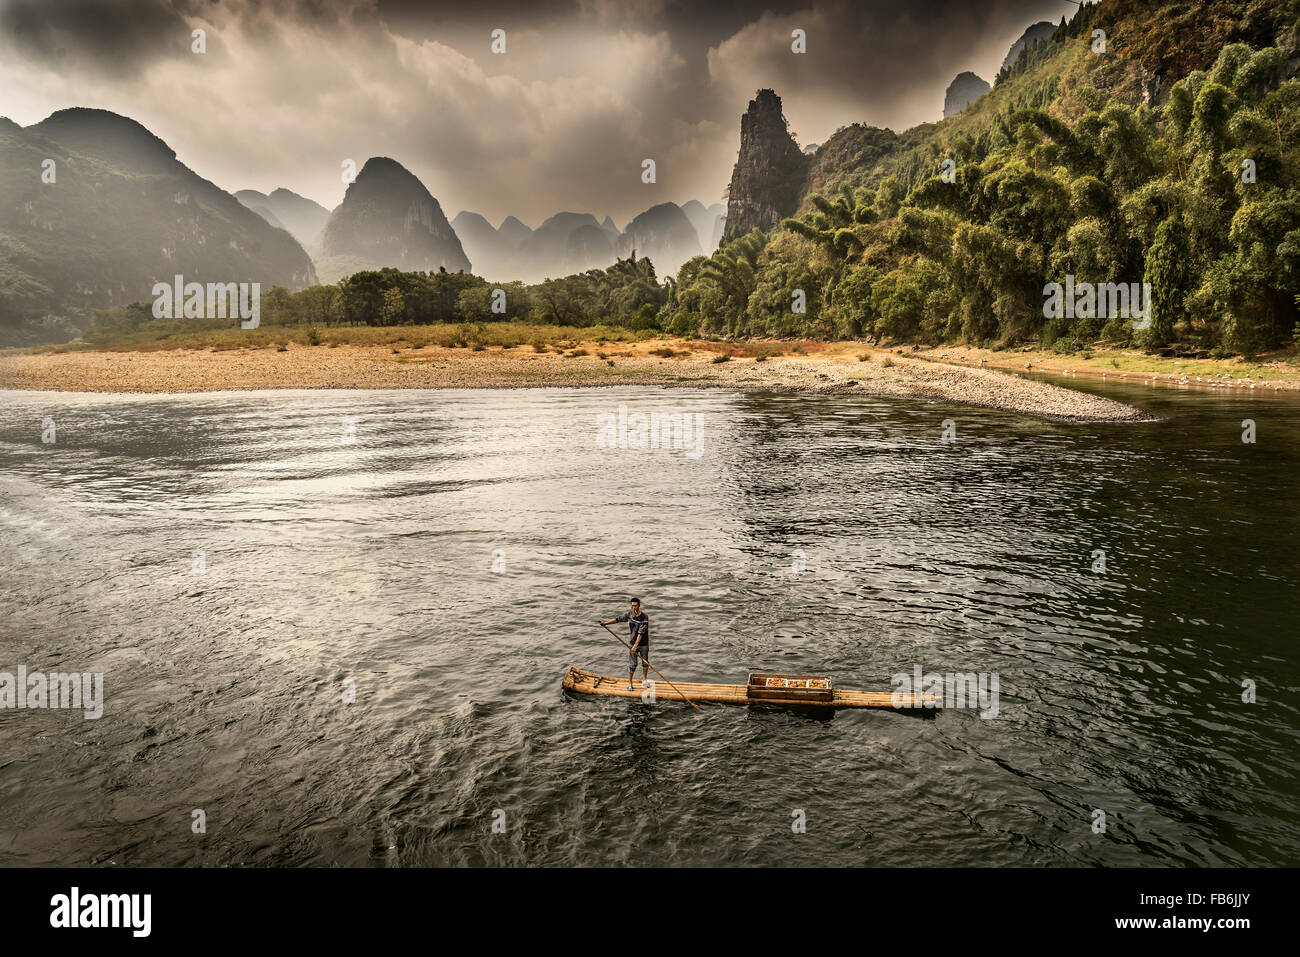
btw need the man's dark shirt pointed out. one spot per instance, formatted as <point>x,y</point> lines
<point>638,625</point>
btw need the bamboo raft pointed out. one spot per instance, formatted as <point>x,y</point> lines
<point>578,681</point>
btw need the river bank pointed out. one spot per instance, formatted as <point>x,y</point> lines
<point>1272,373</point>
<point>839,368</point>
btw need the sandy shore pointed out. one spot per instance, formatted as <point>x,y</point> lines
<point>833,371</point>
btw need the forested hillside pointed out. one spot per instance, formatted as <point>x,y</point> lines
<point>94,209</point>
<point>1169,156</point>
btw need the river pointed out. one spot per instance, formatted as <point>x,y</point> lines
<point>235,565</point>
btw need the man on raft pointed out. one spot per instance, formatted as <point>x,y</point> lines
<point>639,638</point>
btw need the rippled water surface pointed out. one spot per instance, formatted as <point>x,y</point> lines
<point>373,561</point>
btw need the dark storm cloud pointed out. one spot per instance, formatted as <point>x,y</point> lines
<point>112,35</point>
<point>587,90</point>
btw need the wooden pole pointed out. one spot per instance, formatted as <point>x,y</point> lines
<point>654,669</point>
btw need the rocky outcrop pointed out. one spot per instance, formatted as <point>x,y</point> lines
<point>768,179</point>
<point>963,90</point>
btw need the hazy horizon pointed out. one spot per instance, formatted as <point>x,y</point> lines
<point>560,122</point>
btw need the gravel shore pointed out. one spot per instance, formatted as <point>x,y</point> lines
<point>370,367</point>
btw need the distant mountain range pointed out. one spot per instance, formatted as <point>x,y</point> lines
<point>564,244</point>
<point>568,243</point>
<point>124,213</point>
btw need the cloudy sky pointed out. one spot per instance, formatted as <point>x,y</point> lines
<point>562,120</point>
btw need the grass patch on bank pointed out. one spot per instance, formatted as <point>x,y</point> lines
<point>1140,364</point>
<point>224,335</point>
<point>1283,365</point>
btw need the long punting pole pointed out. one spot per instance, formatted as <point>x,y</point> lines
<point>654,669</point>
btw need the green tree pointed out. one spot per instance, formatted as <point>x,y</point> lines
<point>732,271</point>
<point>393,306</point>
<point>831,222</point>
<point>1169,274</point>
<point>362,297</point>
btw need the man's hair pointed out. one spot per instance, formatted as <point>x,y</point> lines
<point>635,601</point>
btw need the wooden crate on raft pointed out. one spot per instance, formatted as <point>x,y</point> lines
<point>791,689</point>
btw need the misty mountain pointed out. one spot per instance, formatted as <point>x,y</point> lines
<point>265,213</point>
<point>514,232</point>
<point>565,223</point>
<point>388,218</point>
<point>588,247</point>
<point>962,91</point>
<point>568,243</point>
<point>303,218</point>
<point>122,214</point>
<point>564,244</point>
<point>473,228</point>
<point>708,222</point>
<point>487,249</point>
<point>554,250</point>
<point>664,235</point>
